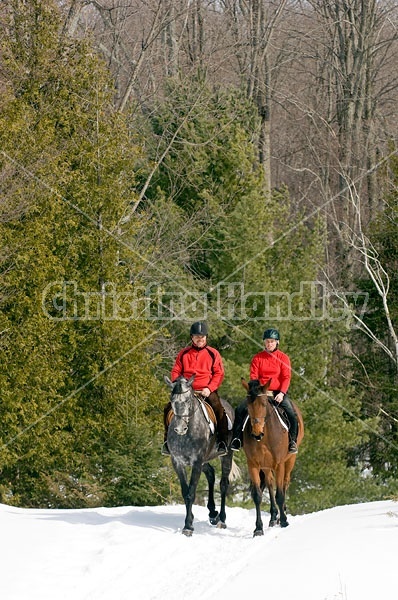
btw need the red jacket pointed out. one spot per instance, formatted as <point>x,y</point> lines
<point>272,365</point>
<point>205,363</point>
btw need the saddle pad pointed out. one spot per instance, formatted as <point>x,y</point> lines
<point>280,413</point>
<point>213,417</point>
<point>169,416</point>
<point>210,412</point>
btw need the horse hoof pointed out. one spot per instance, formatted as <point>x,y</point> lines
<point>258,532</point>
<point>187,532</point>
<point>272,523</point>
<point>284,524</point>
<point>221,525</point>
<point>214,520</point>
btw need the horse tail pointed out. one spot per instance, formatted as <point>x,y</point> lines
<point>235,472</point>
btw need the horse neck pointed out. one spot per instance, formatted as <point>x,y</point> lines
<point>272,427</point>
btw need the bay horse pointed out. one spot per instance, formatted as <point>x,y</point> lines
<point>192,443</point>
<point>265,442</point>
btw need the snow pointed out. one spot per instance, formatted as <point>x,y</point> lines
<point>139,553</point>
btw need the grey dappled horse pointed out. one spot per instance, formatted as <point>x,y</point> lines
<point>192,444</point>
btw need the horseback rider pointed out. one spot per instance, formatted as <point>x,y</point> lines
<point>270,364</point>
<point>206,364</point>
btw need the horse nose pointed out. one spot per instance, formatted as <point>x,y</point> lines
<point>181,429</point>
<point>258,437</point>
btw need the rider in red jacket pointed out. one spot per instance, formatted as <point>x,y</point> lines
<point>205,363</point>
<point>270,364</point>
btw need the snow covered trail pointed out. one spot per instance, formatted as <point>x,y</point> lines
<point>139,553</point>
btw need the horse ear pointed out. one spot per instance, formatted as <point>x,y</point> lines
<point>168,381</point>
<point>190,380</point>
<point>244,383</point>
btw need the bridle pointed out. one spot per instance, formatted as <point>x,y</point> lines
<point>256,420</point>
<point>187,414</point>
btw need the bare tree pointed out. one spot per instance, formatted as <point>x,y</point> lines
<point>320,73</point>
<point>252,26</point>
<point>368,255</point>
<point>73,12</point>
<point>333,114</point>
<point>353,32</point>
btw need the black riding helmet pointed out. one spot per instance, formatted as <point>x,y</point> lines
<point>271,334</point>
<point>199,328</point>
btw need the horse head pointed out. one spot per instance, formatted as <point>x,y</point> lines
<point>257,405</point>
<point>181,399</point>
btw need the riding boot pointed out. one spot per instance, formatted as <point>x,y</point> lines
<point>293,424</point>
<point>237,431</point>
<point>222,423</point>
<point>222,436</point>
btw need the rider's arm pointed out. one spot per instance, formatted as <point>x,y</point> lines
<point>255,368</point>
<point>178,369</point>
<point>285,373</point>
<point>217,373</point>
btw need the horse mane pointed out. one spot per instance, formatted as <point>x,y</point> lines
<point>178,386</point>
<point>253,390</point>
<point>181,385</point>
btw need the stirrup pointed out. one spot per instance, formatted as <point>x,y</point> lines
<point>236,444</point>
<point>292,447</point>
<point>222,449</point>
<point>165,449</point>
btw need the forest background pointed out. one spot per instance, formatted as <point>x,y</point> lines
<point>173,160</point>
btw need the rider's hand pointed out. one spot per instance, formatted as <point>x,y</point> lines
<point>279,397</point>
<point>205,392</point>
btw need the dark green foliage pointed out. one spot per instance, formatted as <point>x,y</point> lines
<point>377,369</point>
<point>69,362</point>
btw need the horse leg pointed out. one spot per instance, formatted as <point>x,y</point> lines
<point>190,498</point>
<point>281,494</point>
<point>185,491</point>
<point>226,465</point>
<point>256,492</point>
<point>268,481</point>
<point>288,467</point>
<point>208,470</point>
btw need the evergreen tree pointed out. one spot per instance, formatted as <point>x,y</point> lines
<point>74,360</point>
<point>376,368</point>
